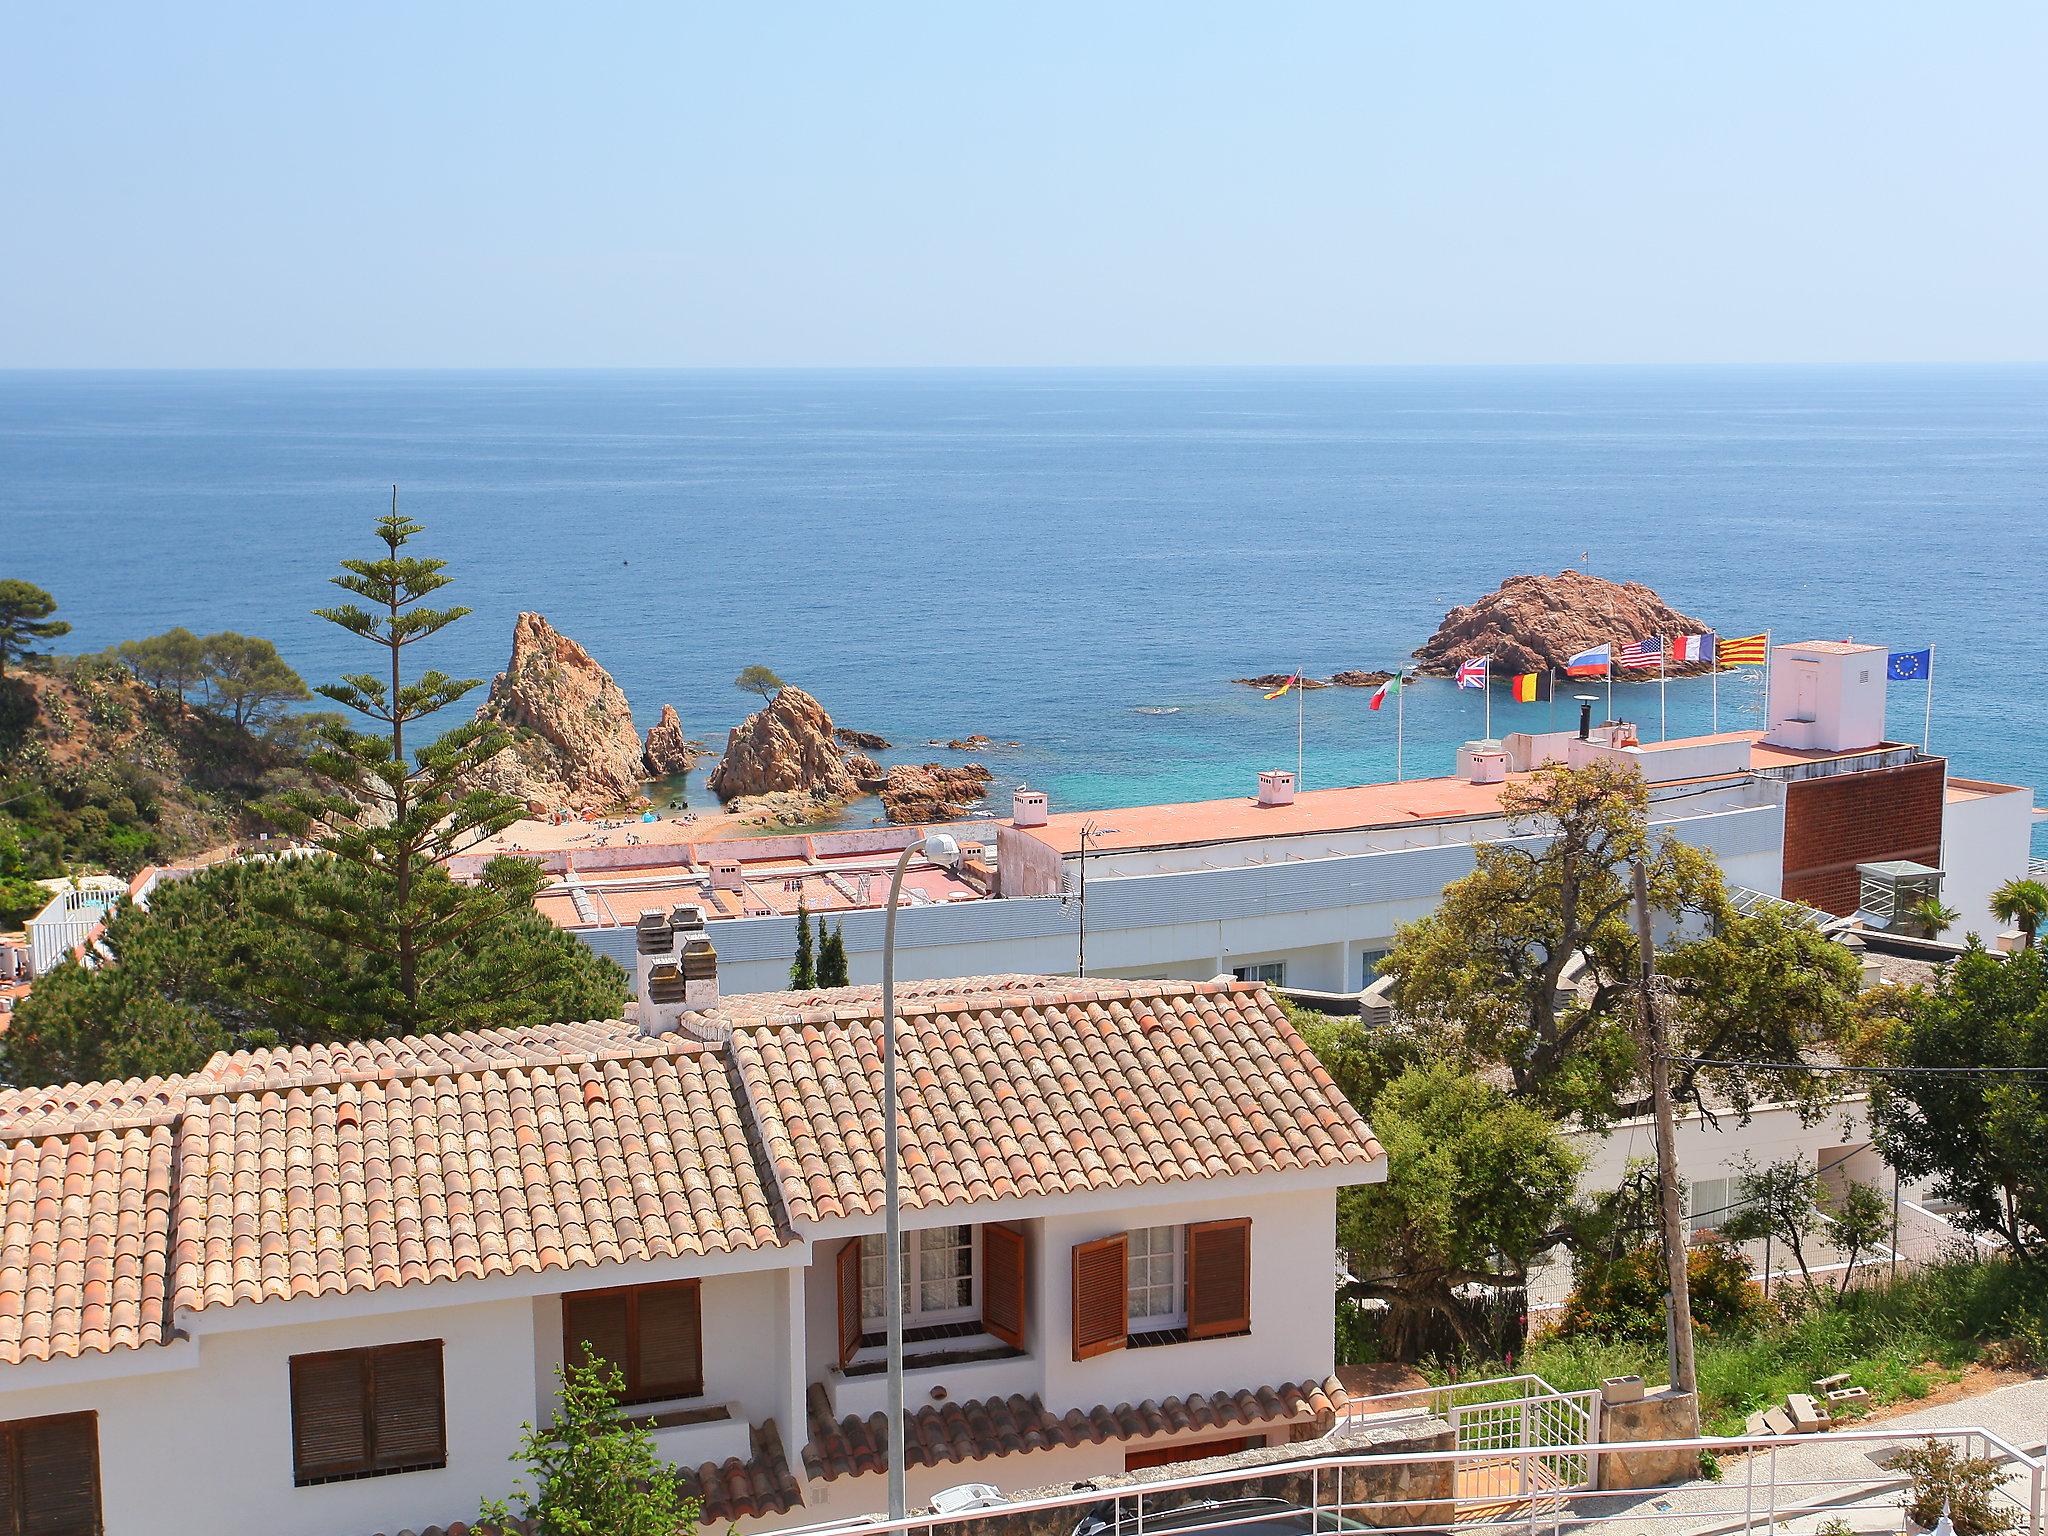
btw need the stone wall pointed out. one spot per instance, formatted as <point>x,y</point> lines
<point>1659,1414</point>
<point>1425,1491</point>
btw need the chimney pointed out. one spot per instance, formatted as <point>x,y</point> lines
<point>1027,808</point>
<point>677,967</point>
<point>1276,787</point>
<point>725,875</point>
<point>1585,720</point>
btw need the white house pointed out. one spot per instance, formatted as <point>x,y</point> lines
<point>315,1292</point>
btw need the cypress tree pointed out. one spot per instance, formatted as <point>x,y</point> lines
<point>832,955</point>
<point>803,971</point>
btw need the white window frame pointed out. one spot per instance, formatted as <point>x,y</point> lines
<point>1175,1286</point>
<point>915,1314</point>
<point>1257,971</point>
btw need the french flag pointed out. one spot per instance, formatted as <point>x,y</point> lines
<point>1692,648</point>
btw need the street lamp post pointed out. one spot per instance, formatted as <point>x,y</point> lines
<point>940,849</point>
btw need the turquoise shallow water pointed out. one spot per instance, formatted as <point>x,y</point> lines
<point>1039,555</point>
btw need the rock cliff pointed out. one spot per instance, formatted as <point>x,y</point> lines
<point>573,742</point>
<point>1275,679</point>
<point>1533,622</point>
<point>914,792</point>
<point>787,748</point>
<point>668,751</point>
<point>1357,679</point>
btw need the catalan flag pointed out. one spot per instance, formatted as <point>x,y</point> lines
<point>1532,687</point>
<point>1281,691</point>
<point>1748,651</point>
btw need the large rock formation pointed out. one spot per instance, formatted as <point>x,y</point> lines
<point>573,742</point>
<point>787,748</point>
<point>668,751</point>
<point>915,792</point>
<point>1275,679</point>
<point>1356,679</point>
<point>1533,622</point>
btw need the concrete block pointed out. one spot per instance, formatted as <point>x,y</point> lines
<point>1808,1417</point>
<point>1621,1389</point>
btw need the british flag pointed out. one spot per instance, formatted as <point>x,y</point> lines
<point>1641,653</point>
<point>1472,674</point>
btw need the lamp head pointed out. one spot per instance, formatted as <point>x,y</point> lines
<point>942,849</point>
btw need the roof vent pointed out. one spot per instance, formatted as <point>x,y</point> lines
<point>650,933</point>
<point>700,960</point>
<point>1027,807</point>
<point>687,918</point>
<point>665,983</point>
<point>1276,787</point>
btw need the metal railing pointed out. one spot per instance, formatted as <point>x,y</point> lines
<point>1496,1416</point>
<point>1764,1481</point>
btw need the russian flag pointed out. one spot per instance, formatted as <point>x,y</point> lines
<point>1594,663</point>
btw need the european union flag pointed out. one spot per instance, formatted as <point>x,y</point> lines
<point>1910,666</point>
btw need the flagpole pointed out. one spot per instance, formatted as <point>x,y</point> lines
<point>1927,730</point>
<point>1662,734</point>
<point>1717,685</point>
<point>1610,679</point>
<point>1770,666</point>
<point>1300,719</point>
<point>1400,719</point>
<point>1489,698</point>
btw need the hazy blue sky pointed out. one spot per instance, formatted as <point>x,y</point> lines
<point>449,185</point>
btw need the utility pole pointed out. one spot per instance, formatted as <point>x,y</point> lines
<point>1677,1296</point>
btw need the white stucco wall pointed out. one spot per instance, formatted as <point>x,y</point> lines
<point>1984,843</point>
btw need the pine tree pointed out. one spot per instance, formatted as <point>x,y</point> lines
<point>399,820</point>
<point>25,610</point>
<point>803,972</point>
<point>832,955</point>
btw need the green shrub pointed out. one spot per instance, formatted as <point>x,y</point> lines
<point>1965,1488</point>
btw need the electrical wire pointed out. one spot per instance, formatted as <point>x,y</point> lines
<point>1835,1066</point>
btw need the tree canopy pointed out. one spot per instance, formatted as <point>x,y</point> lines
<point>25,610</point>
<point>206,968</point>
<point>759,679</point>
<point>1980,1138</point>
<point>2024,904</point>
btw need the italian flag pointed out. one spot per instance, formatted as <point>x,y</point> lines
<point>1386,690</point>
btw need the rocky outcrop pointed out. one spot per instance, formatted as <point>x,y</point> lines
<point>668,752</point>
<point>573,740</point>
<point>1275,679</point>
<point>863,741</point>
<point>915,792</point>
<point>790,747</point>
<point>1533,622</point>
<point>784,808</point>
<point>867,773</point>
<point>1358,679</point>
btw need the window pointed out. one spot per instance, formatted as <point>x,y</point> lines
<point>1712,1202</point>
<point>1369,965</point>
<point>368,1412</point>
<point>938,1278</point>
<point>1158,1294</point>
<point>1273,973</point>
<point>50,1476</point>
<point>653,1335</point>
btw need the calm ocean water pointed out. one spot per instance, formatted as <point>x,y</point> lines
<point>1039,556</point>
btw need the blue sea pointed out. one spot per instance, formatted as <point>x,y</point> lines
<point>1056,557</point>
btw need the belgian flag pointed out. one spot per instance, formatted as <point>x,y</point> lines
<point>1532,687</point>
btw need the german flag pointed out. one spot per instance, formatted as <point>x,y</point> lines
<point>1532,687</point>
<point>1749,651</point>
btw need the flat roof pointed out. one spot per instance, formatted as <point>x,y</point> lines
<point>771,887</point>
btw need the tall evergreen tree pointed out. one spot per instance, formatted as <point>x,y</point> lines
<point>832,955</point>
<point>25,610</point>
<point>398,818</point>
<point>803,970</point>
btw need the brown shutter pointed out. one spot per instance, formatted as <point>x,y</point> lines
<point>1219,1277</point>
<point>1102,1296</point>
<point>1004,1288</point>
<point>9,1485</point>
<point>595,1324</point>
<point>408,1414</point>
<point>670,1348</point>
<point>59,1476</point>
<point>330,1417</point>
<point>848,1265</point>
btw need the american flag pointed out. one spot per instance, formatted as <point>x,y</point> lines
<point>1641,653</point>
<point>1472,674</point>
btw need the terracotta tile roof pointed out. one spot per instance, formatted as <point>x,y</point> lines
<point>729,1490</point>
<point>84,1227</point>
<point>1055,1087</point>
<point>1009,1426</point>
<point>337,1183</point>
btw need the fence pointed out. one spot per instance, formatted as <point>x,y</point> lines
<point>1765,1481</point>
<point>1519,1437</point>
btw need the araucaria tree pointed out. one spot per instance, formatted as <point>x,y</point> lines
<point>398,815</point>
<point>25,610</point>
<point>1530,964</point>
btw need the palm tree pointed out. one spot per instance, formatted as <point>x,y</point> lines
<point>2024,904</point>
<point>1931,915</point>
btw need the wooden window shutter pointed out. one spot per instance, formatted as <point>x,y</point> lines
<point>848,1266</point>
<point>1102,1297</point>
<point>1219,1277</point>
<point>10,1487</point>
<point>408,1410</point>
<point>1004,1286</point>
<point>330,1417</point>
<point>55,1476</point>
<point>670,1346</point>
<point>595,1324</point>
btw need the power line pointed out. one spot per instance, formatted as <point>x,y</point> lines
<point>1816,1066</point>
